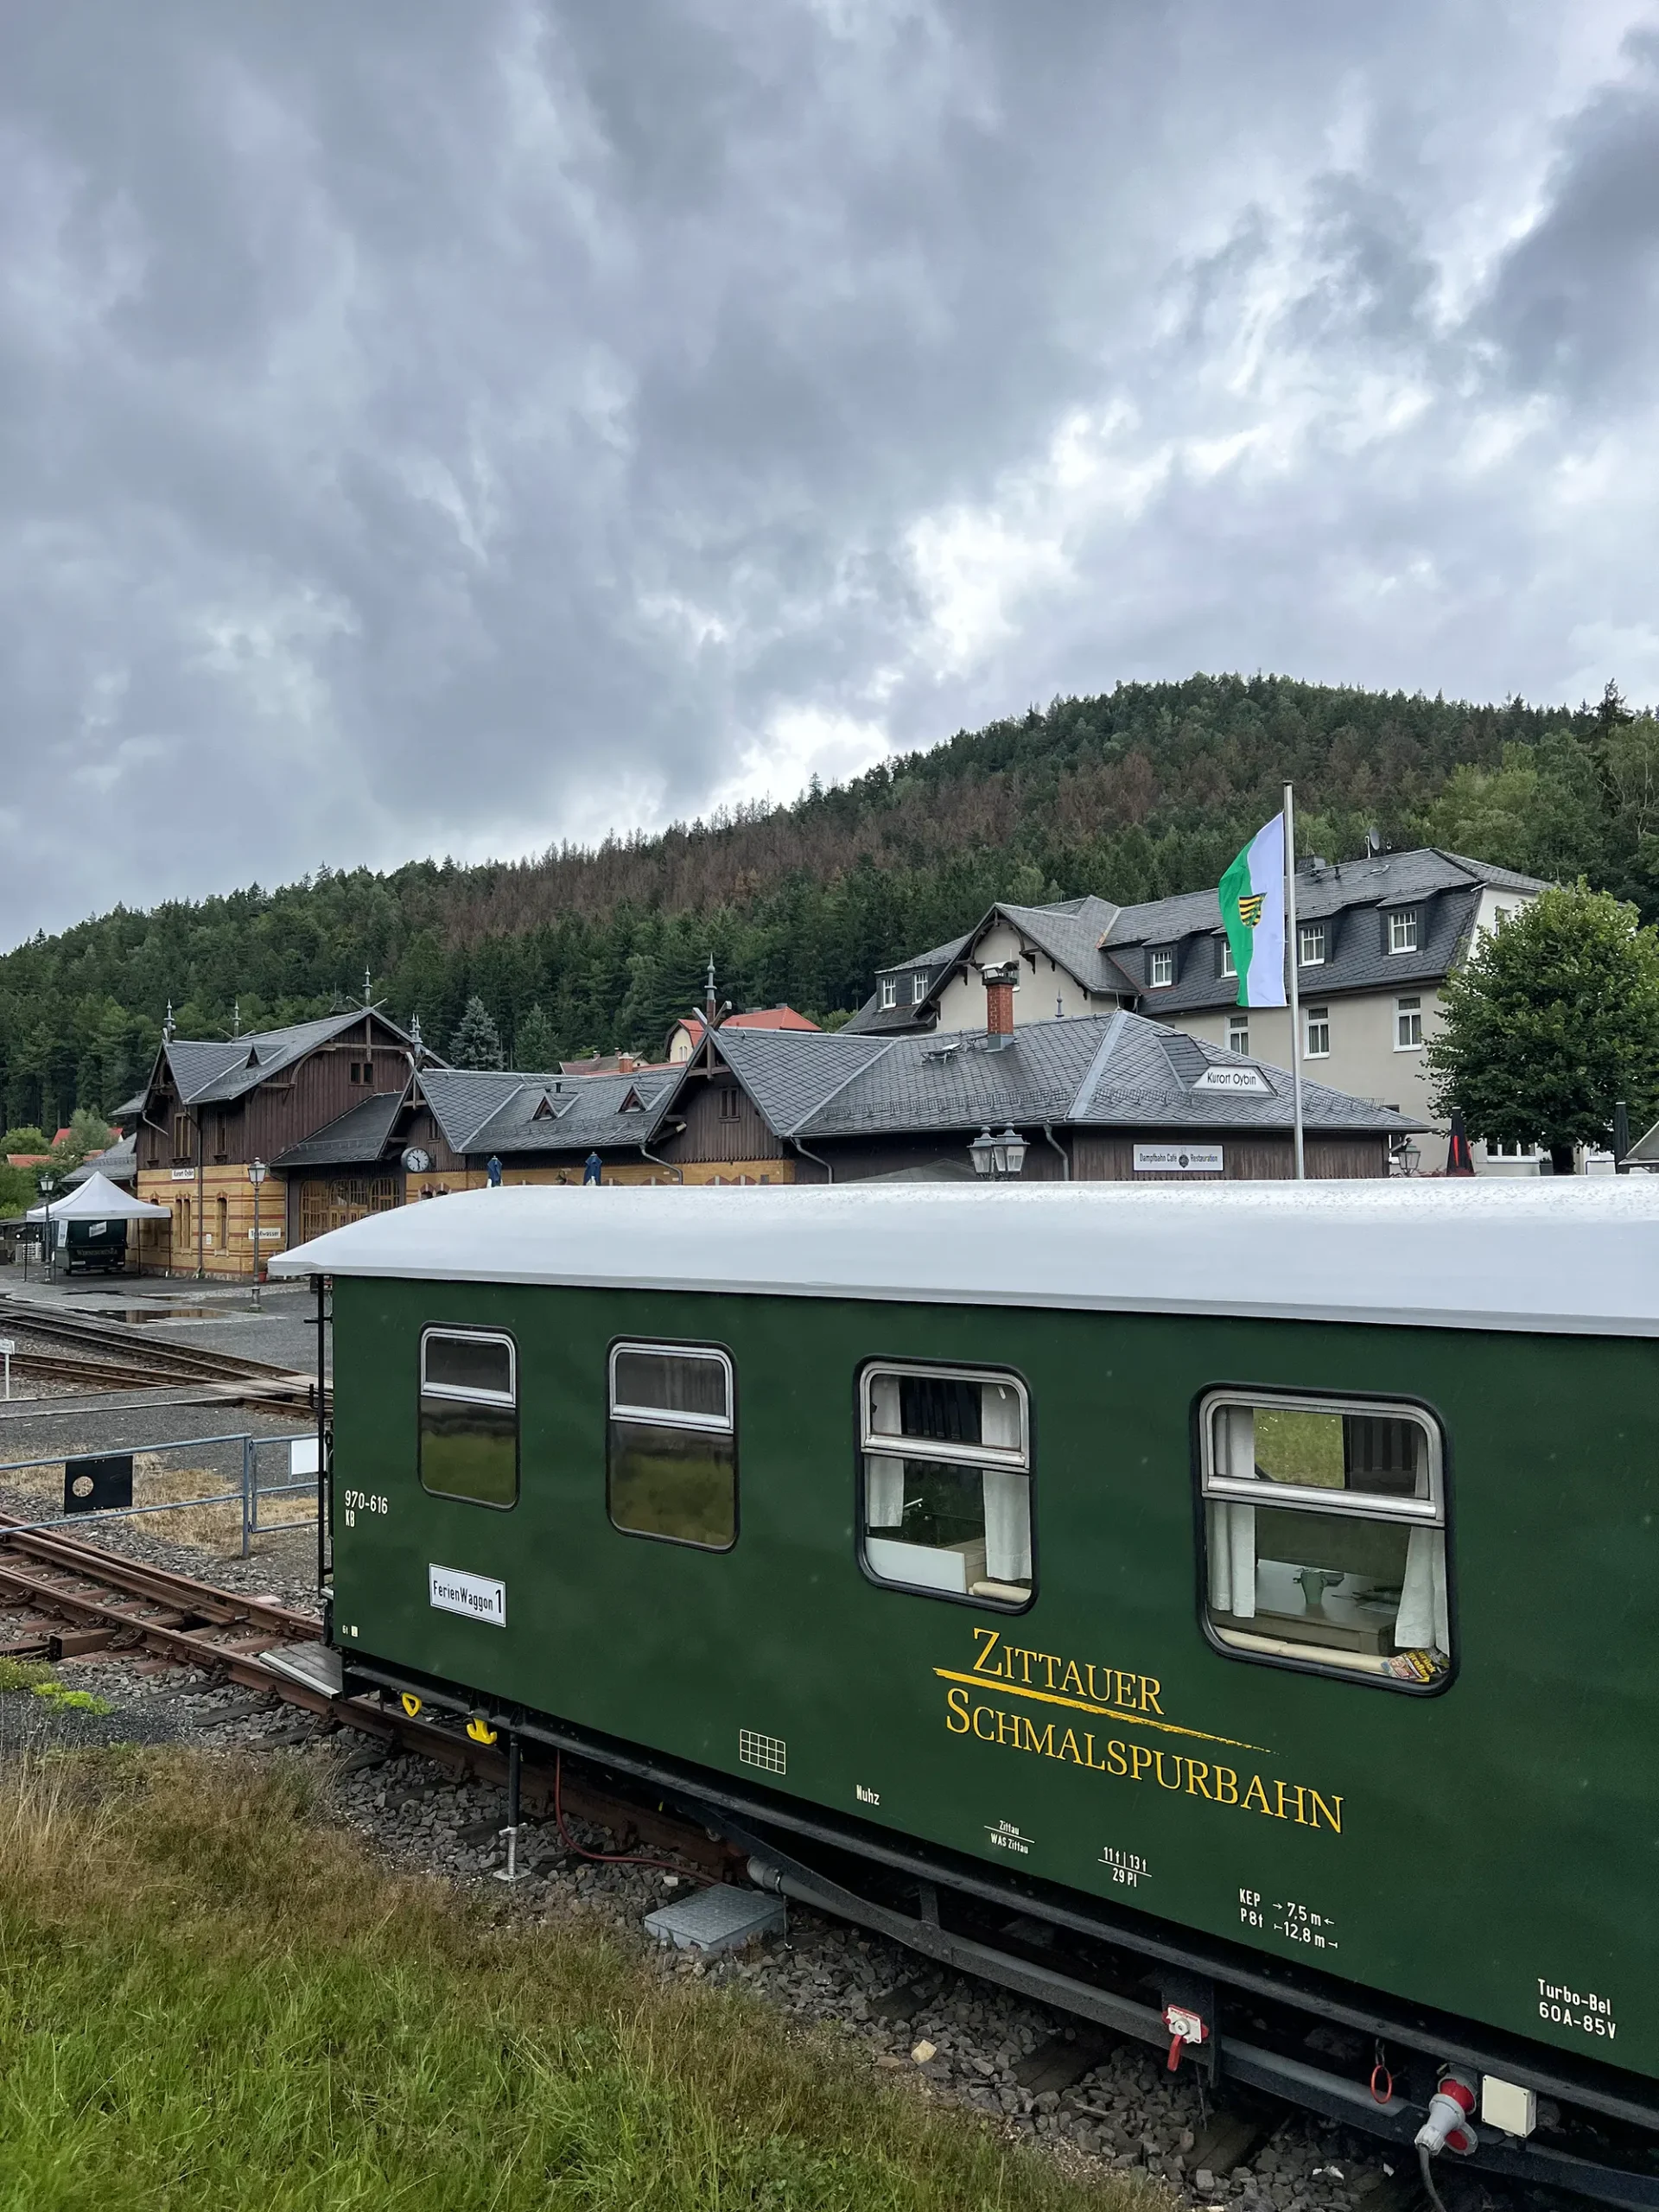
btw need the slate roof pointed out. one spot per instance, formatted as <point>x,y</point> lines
<point>790,1073</point>
<point>1353,899</point>
<point>482,1111</point>
<point>355,1138</point>
<point>1105,947</point>
<point>207,1070</point>
<point>1096,1071</point>
<point>119,1164</point>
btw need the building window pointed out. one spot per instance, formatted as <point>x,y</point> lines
<point>470,1416</point>
<point>672,1444</point>
<point>1324,1536</point>
<point>1227,967</point>
<point>183,1137</point>
<point>222,1221</point>
<point>1317,1043</point>
<point>1161,972</point>
<point>889,991</point>
<point>1311,939</point>
<point>356,1074</point>
<point>918,988</point>
<point>945,1457</point>
<point>1402,930</point>
<point>727,1096</point>
<point>1408,1025</point>
<point>1238,1034</point>
<point>1497,1150</point>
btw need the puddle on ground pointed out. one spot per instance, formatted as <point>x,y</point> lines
<point>164,1313</point>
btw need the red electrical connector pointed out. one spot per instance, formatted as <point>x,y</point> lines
<point>1185,2027</point>
<point>1447,2126</point>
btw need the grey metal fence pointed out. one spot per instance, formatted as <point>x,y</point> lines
<point>272,1466</point>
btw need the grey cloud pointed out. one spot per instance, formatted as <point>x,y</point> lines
<point>1575,305</point>
<point>425,425</point>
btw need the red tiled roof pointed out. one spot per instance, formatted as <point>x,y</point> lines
<point>765,1017</point>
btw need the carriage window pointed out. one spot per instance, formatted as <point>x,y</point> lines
<point>1324,1534</point>
<point>470,1416</point>
<point>947,1481</point>
<point>672,1444</point>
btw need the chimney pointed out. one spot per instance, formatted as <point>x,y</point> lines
<point>626,1064</point>
<point>999,1002</point>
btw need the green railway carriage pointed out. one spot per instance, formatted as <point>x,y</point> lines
<point>1260,1585</point>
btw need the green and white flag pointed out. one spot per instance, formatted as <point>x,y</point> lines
<point>1252,915</point>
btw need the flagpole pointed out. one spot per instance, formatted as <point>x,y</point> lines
<point>1292,950</point>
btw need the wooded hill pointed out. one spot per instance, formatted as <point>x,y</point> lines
<point>1146,790</point>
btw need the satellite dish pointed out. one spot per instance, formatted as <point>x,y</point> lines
<point>415,1162</point>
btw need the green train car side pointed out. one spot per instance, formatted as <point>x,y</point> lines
<point>1475,1849</point>
<point>1465,1816</point>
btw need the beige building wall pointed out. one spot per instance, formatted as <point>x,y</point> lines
<point>1365,1059</point>
<point>1048,996</point>
<point>220,1200</point>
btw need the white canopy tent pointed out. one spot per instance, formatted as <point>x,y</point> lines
<point>98,1199</point>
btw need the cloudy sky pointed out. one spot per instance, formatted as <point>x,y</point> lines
<point>457,425</point>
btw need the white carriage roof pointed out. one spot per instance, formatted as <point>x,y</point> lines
<point>1541,1255</point>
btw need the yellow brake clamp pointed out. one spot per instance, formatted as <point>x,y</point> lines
<point>411,1704</point>
<point>479,1730</point>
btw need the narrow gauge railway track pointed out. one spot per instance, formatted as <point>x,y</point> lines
<point>106,1355</point>
<point>66,1598</point>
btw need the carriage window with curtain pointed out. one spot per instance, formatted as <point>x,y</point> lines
<point>1325,1536</point>
<point>946,1459</point>
<point>469,1415</point>
<point>672,1444</point>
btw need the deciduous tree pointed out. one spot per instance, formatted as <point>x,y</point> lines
<point>1552,1019</point>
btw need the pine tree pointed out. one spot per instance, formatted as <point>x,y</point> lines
<point>535,1043</point>
<point>477,1042</point>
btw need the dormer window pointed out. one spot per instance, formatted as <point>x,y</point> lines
<point>1310,941</point>
<point>634,1103</point>
<point>917,987</point>
<point>1402,930</point>
<point>889,992</point>
<point>1160,970</point>
<point>1227,967</point>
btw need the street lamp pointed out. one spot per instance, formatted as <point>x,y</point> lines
<point>48,1183</point>
<point>1408,1154</point>
<point>257,1172</point>
<point>998,1156</point>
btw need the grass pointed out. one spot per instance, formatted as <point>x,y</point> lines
<point>209,1999</point>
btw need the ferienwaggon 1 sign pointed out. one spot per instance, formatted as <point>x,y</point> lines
<point>452,1590</point>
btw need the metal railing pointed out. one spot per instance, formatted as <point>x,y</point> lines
<point>301,1474</point>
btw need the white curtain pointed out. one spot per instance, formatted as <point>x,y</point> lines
<point>1007,1523</point>
<point>1232,1528</point>
<point>1424,1622</point>
<point>999,1416</point>
<point>1232,1559</point>
<point>1007,1495</point>
<point>884,1492</point>
<point>884,1405</point>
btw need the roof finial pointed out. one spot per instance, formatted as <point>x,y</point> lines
<point>368,991</point>
<point>414,1032</point>
<point>709,1000</point>
<point>167,1026</point>
<point>236,1017</point>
